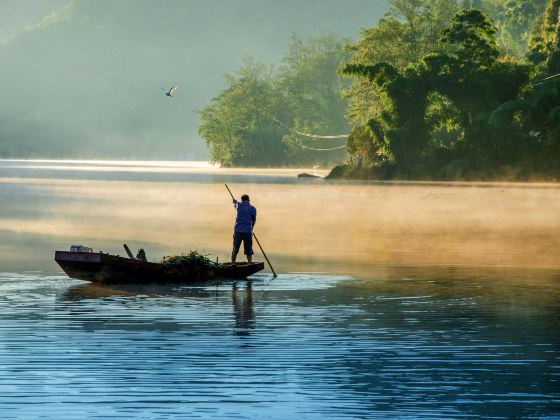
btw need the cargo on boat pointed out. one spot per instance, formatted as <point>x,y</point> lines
<point>105,268</point>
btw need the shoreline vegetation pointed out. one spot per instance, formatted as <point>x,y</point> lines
<point>351,171</point>
<point>437,90</point>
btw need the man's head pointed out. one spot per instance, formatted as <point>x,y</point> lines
<point>245,197</point>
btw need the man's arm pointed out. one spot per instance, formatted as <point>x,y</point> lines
<point>254,218</point>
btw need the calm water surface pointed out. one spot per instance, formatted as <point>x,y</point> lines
<point>395,300</point>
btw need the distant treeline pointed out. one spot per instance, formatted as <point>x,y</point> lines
<point>254,122</point>
<point>438,89</point>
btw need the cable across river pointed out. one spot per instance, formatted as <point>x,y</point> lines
<point>314,136</point>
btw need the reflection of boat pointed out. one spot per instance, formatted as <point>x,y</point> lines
<point>105,268</point>
<point>202,290</point>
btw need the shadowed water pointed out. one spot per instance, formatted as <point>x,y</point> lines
<point>380,311</point>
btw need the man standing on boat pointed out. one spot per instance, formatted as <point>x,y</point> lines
<point>243,231</point>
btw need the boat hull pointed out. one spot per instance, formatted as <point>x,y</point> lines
<point>105,268</point>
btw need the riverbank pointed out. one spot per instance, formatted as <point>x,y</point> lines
<point>387,173</point>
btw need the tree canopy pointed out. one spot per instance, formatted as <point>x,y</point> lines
<point>259,119</point>
<point>462,110</point>
<point>442,89</point>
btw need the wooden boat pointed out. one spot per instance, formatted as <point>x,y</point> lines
<point>105,268</point>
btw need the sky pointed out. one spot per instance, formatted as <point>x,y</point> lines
<point>83,78</point>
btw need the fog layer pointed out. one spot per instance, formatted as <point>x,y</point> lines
<point>412,224</point>
<point>83,78</point>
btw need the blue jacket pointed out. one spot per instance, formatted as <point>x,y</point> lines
<point>246,216</point>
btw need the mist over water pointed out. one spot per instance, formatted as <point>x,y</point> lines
<point>412,300</point>
<point>176,207</point>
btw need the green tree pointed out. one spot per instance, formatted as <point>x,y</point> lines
<point>544,46</point>
<point>258,119</point>
<point>309,83</point>
<point>534,118</point>
<point>458,86</point>
<point>237,124</point>
<point>466,58</point>
<point>514,21</point>
<point>534,122</point>
<point>407,32</point>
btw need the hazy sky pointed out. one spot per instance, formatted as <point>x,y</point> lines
<point>83,77</point>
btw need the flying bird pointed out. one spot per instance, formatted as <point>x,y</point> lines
<point>170,92</point>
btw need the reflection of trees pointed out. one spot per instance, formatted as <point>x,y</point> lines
<point>243,309</point>
<point>416,338</point>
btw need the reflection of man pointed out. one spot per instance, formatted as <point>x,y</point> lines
<point>243,231</point>
<point>243,310</point>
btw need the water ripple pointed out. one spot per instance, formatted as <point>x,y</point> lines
<point>303,345</point>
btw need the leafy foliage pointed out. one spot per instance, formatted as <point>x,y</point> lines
<point>462,110</point>
<point>514,22</point>
<point>253,122</point>
<point>309,83</point>
<point>237,125</point>
<point>545,41</point>
<point>438,89</point>
<point>191,260</point>
<point>407,32</point>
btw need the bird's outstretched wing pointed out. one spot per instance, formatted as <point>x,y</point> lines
<point>172,90</point>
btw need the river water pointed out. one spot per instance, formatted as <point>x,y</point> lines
<point>393,300</point>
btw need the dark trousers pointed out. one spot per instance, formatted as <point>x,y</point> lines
<point>246,238</point>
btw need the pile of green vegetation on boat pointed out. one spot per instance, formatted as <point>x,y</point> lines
<point>192,259</point>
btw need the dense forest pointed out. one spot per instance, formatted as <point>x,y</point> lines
<point>439,89</point>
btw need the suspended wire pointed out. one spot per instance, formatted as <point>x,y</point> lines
<point>551,77</point>
<point>313,136</point>
<point>318,149</point>
<point>303,146</point>
<point>343,136</point>
<point>547,79</point>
